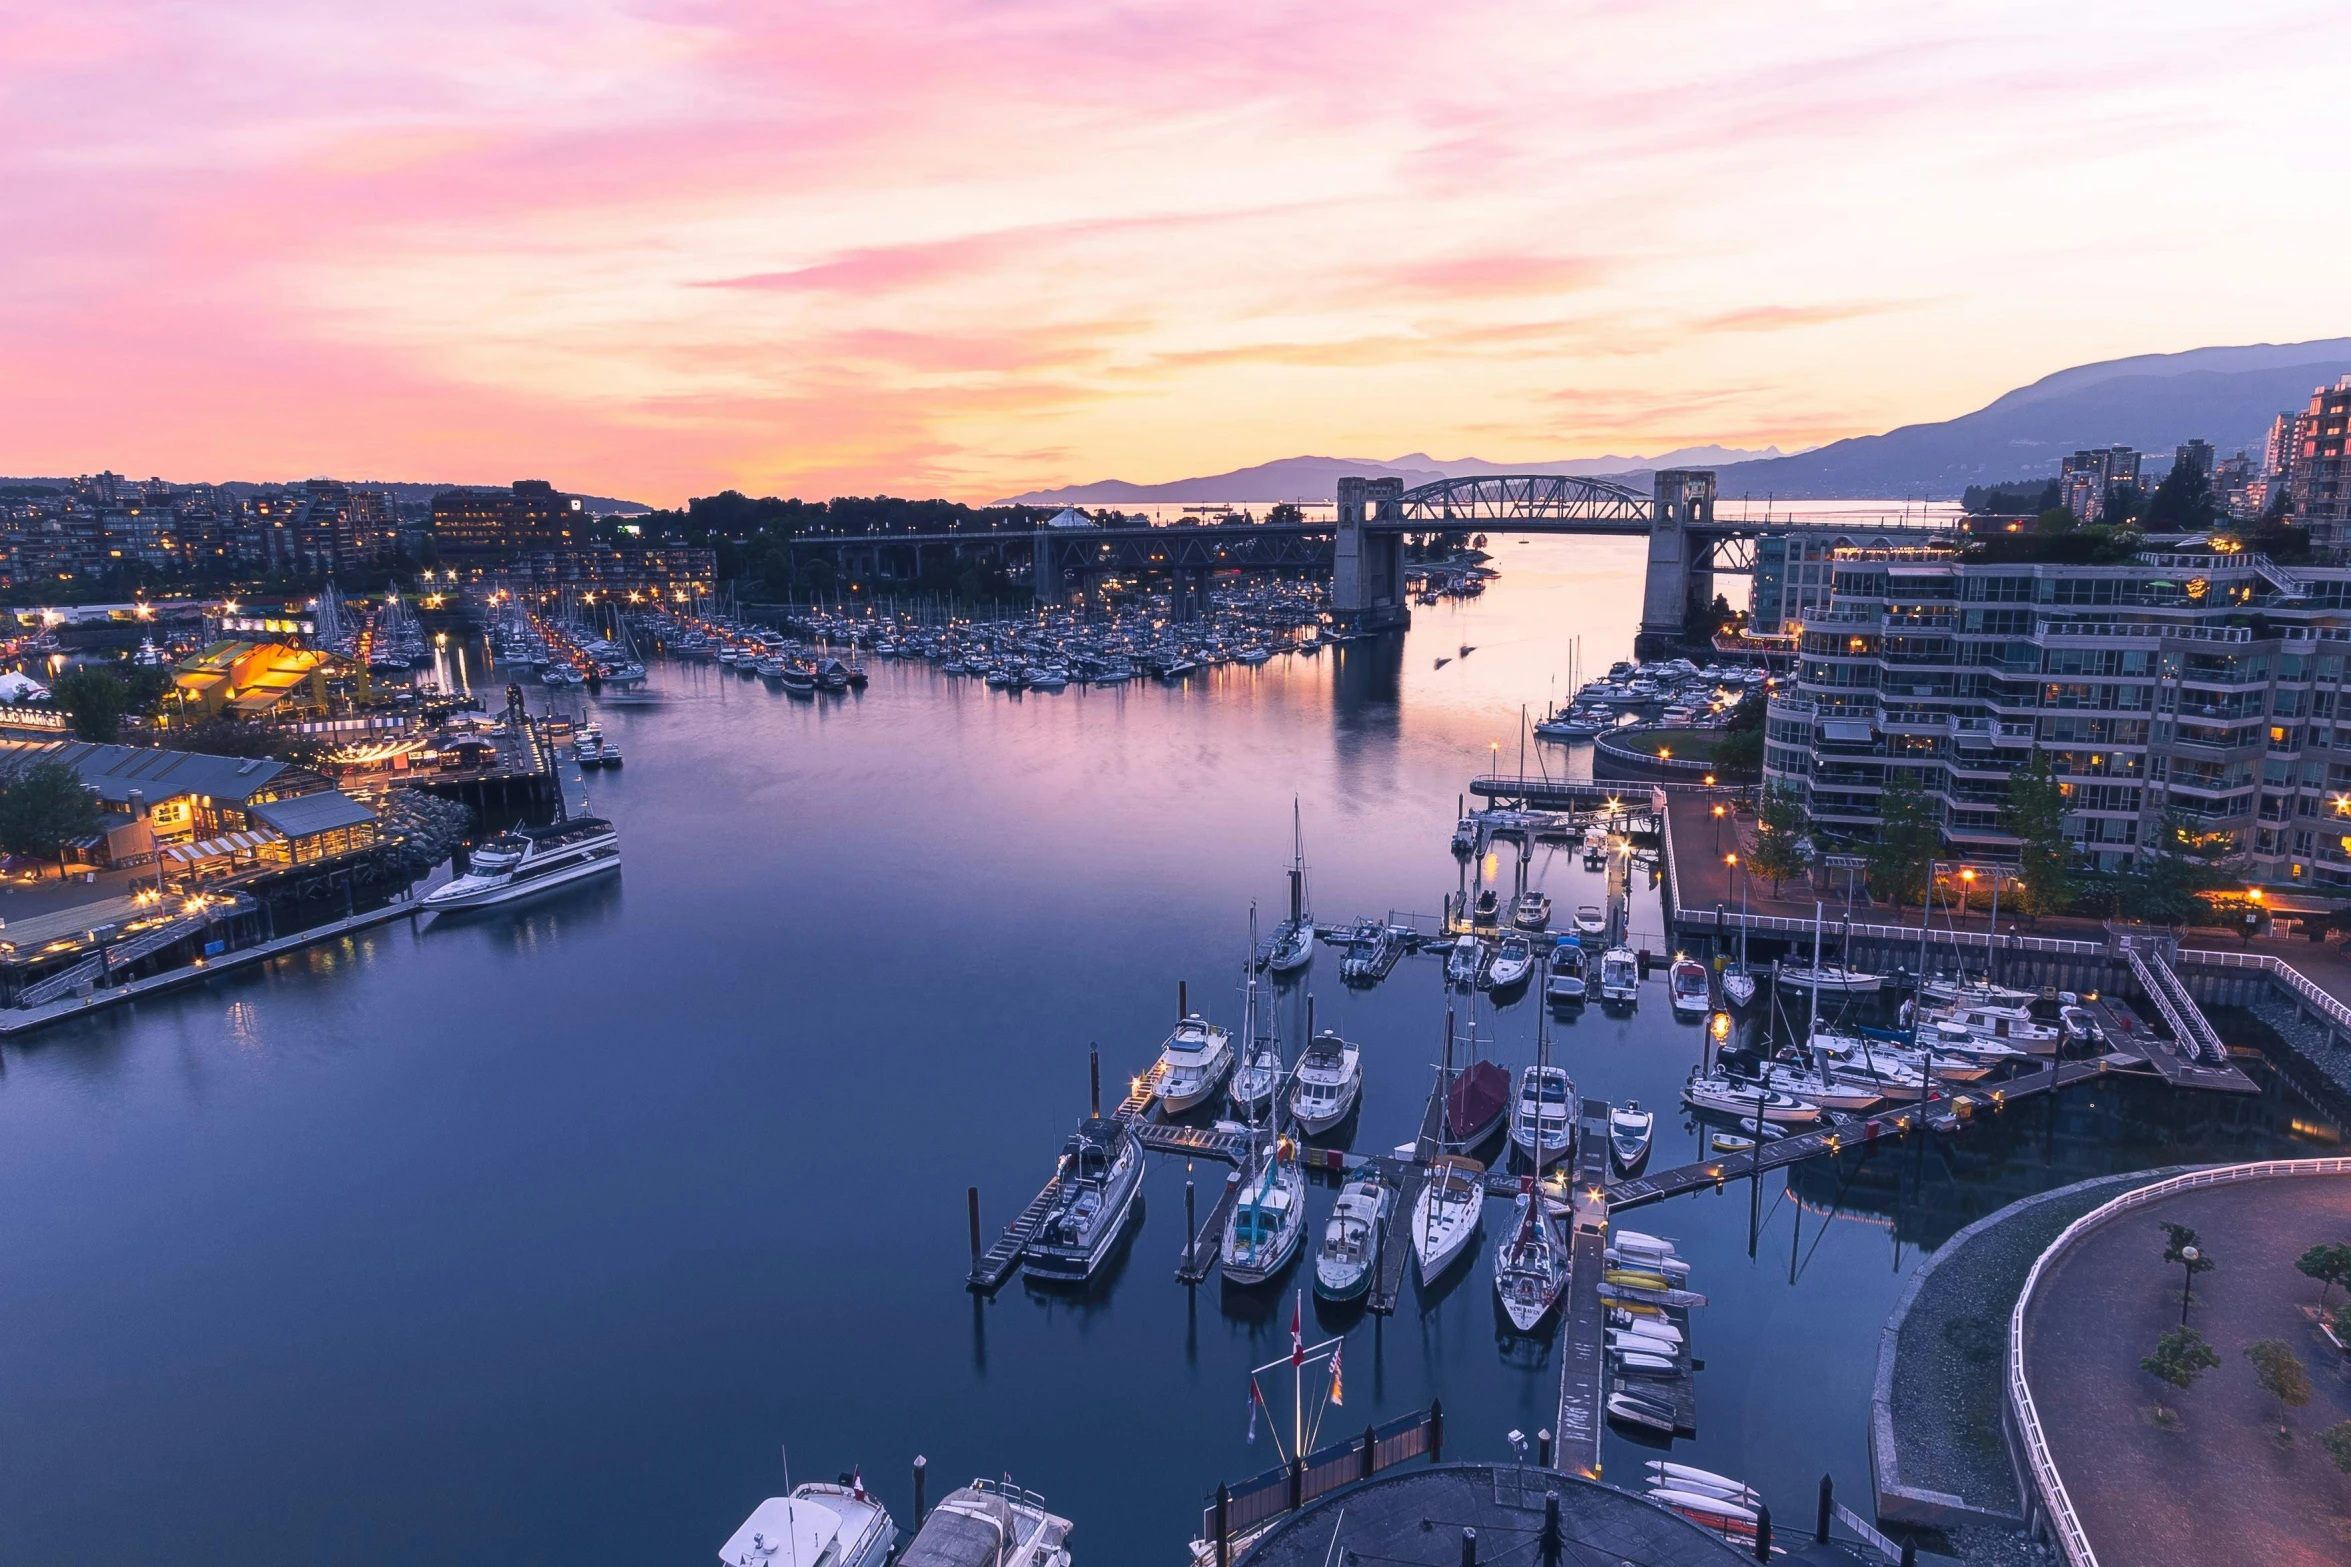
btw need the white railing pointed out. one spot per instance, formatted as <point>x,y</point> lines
<point>2155,992</point>
<point>2064,1522</point>
<point>2291,977</point>
<point>1778,923</point>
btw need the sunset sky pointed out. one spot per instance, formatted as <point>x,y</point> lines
<point>964,248</point>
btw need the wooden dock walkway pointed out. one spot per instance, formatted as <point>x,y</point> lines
<point>995,1265</point>
<point>2126,1031</point>
<point>1396,1255</point>
<point>1583,1361</point>
<point>1201,1249</point>
<point>1191,1142</point>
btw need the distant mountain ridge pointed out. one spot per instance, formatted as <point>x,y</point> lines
<point>2227,396</point>
<point>1316,478</point>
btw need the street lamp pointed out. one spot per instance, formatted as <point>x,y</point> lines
<point>2189,1256</point>
<point>1717,822</point>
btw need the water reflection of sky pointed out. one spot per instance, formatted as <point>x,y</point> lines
<point>542,1231</point>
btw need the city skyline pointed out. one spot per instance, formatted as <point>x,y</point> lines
<point>935,249</point>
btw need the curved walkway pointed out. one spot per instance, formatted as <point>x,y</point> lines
<point>2218,1487</point>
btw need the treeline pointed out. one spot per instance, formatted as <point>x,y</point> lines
<point>752,537</point>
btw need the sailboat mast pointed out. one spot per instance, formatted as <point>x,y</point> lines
<point>1813,1027</point>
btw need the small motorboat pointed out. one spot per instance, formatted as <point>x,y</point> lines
<point>1463,963</point>
<point>1687,985</point>
<point>1630,1129</point>
<point>1620,975</point>
<point>1349,1254</point>
<point>1633,1409</point>
<point>1565,985</point>
<point>1727,1096</point>
<point>1486,911</point>
<point>1590,920</point>
<point>1465,835</point>
<point>1445,1219</point>
<point>1328,1082</point>
<point>1514,960</point>
<point>1531,910</point>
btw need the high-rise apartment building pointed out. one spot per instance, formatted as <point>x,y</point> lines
<point>2194,456</point>
<point>2085,478</point>
<point>530,516</point>
<point>2319,478</point>
<point>2210,684</point>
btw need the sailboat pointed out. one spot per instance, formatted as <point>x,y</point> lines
<point>1452,1201</point>
<point>1530,1268</point>
<point>1293,938</point>
<point>1259,1076</point>
<point>1262,1232</point>
<point>1477,1100</point>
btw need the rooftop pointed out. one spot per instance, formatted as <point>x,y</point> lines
<point>115,770</point>
<point>312,813</point>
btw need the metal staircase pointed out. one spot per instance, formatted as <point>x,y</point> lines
<point>57,984</point>
<point>2186,1020</point>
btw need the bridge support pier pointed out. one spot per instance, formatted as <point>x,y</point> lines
<point>1367,567</point>
<point>1681,574</point>
<point>1045,567</point>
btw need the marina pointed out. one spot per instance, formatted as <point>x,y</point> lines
<point>484,1072</point>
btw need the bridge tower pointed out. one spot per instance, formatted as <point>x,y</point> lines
<point>1681,568</point>
<point>1367,563</point>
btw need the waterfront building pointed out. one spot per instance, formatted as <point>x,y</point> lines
<point>529,516</point>
<point>2206,682</point>
<point>2319,477</point>
<point>181,795</point>
<point>1790,587</point>
<point>252,680</point>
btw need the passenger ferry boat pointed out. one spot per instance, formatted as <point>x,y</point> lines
<point>524,861</point>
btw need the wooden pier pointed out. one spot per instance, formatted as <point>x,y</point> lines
<point>1201,1249</point>
<point>995,1265</point>
<point>1583,1360</point>
<point>1396,1254</point>
<point>2126,1031</point>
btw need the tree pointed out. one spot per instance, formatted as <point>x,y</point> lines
<point>1909,832</point>
<point>2330,1264</point>
<point>1741,753</point>
<point>2181,1356</point>
<point>2035,813</point>
<point>43,808</point>
<point>2336,1440</point>
<point>1781,847</point>
<point>2177,1238</point>
<point>2185,860</point>
<point>94,701</point>
<point>2281,1376</point>
<point>2183,502</point>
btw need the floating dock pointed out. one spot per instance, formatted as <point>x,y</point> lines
<point>1583,1360</point>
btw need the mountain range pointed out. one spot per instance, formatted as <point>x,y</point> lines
<point>2154,402</point>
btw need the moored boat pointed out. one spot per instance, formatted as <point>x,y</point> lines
<point>1262,1232</point>
<point>832,1524</point>
<point>1100,1173</point>
<point>1328,1082</point>
<point>1196,1058</point>
<point>1531,1263</point>
<point>1620,975</point>
<point>1688,989</point>
<point>1630,1129</point>
<point>1349,1254</point>
<point>1446,1216</point>
<point>524,861</point>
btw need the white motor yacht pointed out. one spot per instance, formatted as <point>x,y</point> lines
<point>1531,910</point>
<point>2008,1025</point>
<point>1542,1120</point>
<point>988,1523</point>
<point>1349,1254</point>
<point>837,1525</point>
<point>524,861</point>
<point>1268,1220</point>
<point>1590,921</point>
<point>1446,1216</point>
<point>1564,986</point>
<point>1195,1060</point>
<point>1620,975</point>
<point>1100,1173</point>
<point>1327,1083</point>
<point>1687,987</point>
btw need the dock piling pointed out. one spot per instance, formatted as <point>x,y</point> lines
<point>1094,1080</point>
<point>1554,1539</point>
<point>971,1197</point>
<point>1469,1548</point>
<point>1820,1530</point>
<point>1543,1449</point>
<point>1183,1002</point>
<point>1191,1221</point>
<point>921,1470</point>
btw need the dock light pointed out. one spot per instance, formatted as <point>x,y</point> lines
<point>1664,753</point>
<point>2253,894</point>
<point>1710,784</point>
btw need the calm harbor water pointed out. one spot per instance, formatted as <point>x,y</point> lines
<point>538,1234</point>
